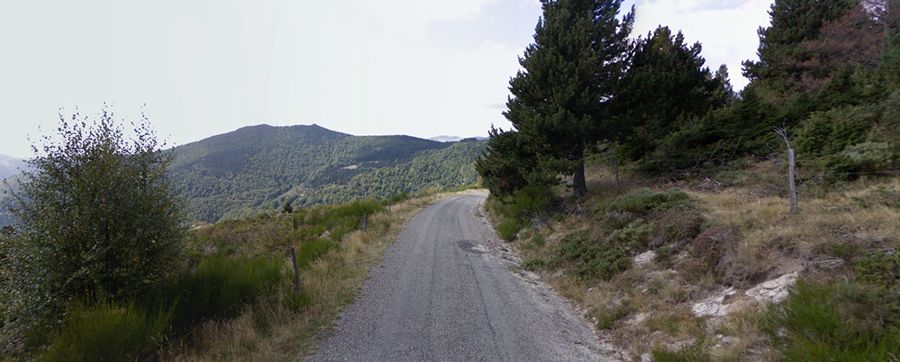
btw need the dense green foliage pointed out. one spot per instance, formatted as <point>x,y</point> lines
<point>839,322</point>
<point>666,85</point>
<point>823,74</point>
<point>99,221</point>
<point>593,258</point>
<point>106,332</point>
<point>261,168</point>
<point>826,72</point>
<point>558,108</point>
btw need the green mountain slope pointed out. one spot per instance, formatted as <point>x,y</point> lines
<point>263,167</point>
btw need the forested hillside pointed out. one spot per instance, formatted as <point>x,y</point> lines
<point>264,167</point>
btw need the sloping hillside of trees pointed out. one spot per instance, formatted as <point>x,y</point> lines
<point>264,167</point>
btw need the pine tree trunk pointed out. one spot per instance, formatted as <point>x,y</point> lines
<point>579,184</point>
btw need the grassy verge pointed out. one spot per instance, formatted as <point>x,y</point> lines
<point>286,326</point>
<point>638,256</point>
<point>233,298</point>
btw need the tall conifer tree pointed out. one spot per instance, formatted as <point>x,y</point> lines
<point>793,22</point>
<point>568,77</point>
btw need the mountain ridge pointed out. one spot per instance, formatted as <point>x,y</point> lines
<point>262,167</point>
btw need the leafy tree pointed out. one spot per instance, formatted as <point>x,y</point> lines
<point>98,221</point>
<point>569,76</point>
<point>666,85</point>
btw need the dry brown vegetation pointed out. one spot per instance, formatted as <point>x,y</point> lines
<point>283,327</point>
<point>746,237</point>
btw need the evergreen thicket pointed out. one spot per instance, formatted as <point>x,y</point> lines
<point>827,72</point>
<point>559,106</point>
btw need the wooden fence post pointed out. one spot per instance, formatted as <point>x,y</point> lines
<point>792,170</point>
<point>296,269</point>
<point>365,222</point>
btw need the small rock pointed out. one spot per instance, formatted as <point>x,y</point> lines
<point>826,263</point>
<point>644,258</point>
<point>646,357</point>
<point>773,291</point>
<point>713,306</point>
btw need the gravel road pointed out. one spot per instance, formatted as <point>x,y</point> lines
<point>448,291</point>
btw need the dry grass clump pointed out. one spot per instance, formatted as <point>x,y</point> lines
<point>286,326</point>
<point>866,217</point>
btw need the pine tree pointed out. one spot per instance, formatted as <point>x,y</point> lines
<point>666,85</point>
<point>793,22</point>
<point>568,77</point>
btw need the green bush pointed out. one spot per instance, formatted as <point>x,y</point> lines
<point>107,332</point>
<point>592,258</point>
<point>828,133</point>
<point>311,250</point>
<point>217,288</point>
<point>880,268</point>
<point>635,235</point>
<point>98,221</point>
<point>861,158</point>
<point>532,201</point>
<point>837,322</point>
<point>645,201</point>
<point>509,229</point>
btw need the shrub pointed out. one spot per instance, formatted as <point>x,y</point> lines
<point>836,322</point>
<point>634,235</point>
<point>863,157</point>
<point>508,229</point>
<point>880,268</point>
<point>98,221</point>
<point>591,258</point>
<point>828,133</point>
<point>532,201</point>
<point>108,332</point>
<point>678,225</point>
<point>645,201</point>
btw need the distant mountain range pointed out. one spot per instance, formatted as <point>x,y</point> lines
<point>263,167</point>
<point>256,168</point>
<point>453,138</point>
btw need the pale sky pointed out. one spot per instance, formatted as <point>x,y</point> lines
<point>418,67</point>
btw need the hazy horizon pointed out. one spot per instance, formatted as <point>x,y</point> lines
<point>423,68</point>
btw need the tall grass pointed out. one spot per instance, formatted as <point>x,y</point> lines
<point>217,288</point>
<point>836,322</point>
<point>108,332</point>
